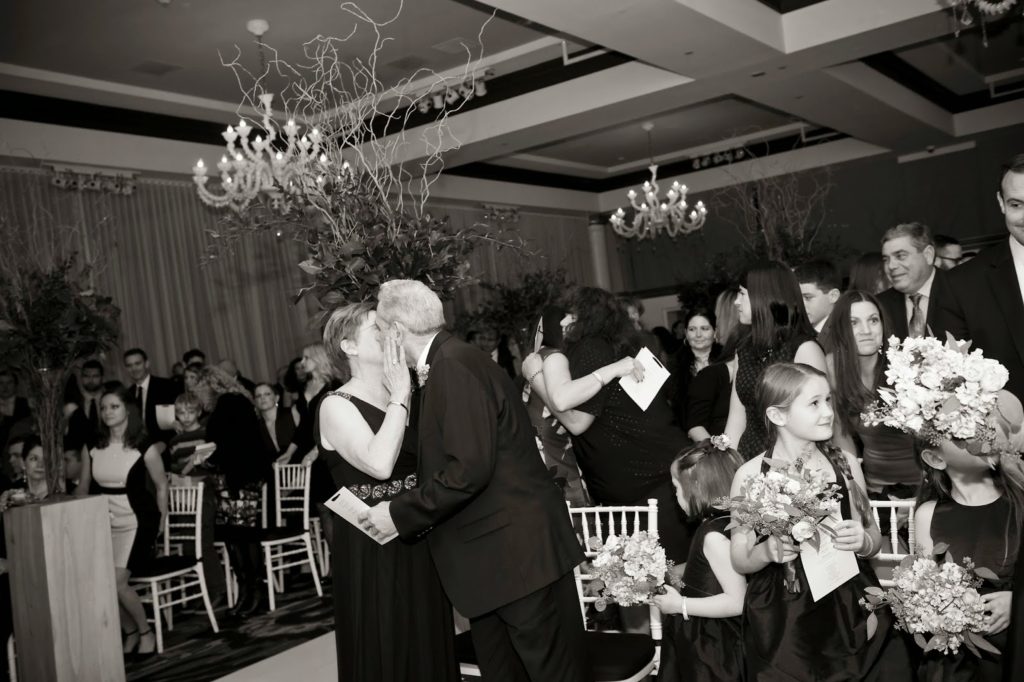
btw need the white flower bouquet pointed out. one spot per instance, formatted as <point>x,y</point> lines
<point>789,500</point>
<point>940,392</point>
<point>628,570</point>
<point>939,599</point>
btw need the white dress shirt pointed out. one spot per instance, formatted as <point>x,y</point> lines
<point>421,362</point>
<point>1017,252</point>
<point>821,324</point>
<point>926,297</point>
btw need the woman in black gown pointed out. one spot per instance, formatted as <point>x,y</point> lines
<point>771,303</point>
<point>393,622</point>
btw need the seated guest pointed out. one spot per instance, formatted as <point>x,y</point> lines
<point>194,358</point>
<point>277,423</point>
<point>820,286</point>
<point>948,252</point>
<point>120,464</point>
<point>231,370</point>
<point>856,369</point>
<point>918,287</point>
<point>191,433</point>
<point>72,468</point>
<point>148,391</point>
<point>14,463</point>
<point>868,274</point>
<point>13,407</point>
<point>294,382</point>
<point>178,376</point>
<point>697,351</point>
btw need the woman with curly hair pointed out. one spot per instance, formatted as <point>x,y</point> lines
<point>623,451</point>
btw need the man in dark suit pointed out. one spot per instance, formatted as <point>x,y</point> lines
<point>987,303</point>
<point>84,422</point>
<point>495,521</point>
<point>820,286</point>
<point>149,391</point>
<point>918,287</point>
<point>13,407</point>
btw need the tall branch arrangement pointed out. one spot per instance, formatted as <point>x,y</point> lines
<point>50,317</point>
<point>781,214</point>
<point>361,211</point>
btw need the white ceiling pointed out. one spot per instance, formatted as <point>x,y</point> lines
<point>704,71</point>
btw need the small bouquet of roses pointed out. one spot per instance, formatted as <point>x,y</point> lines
<point>628,570</point>
<point>940,599</point>
<point>789,500</point>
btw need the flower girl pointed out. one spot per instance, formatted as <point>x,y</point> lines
<point>972,496</point>
<point>702,640</point>
<point>788,635</point>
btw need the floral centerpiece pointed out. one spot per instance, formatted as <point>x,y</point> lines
<point>939,599</point>
<point>628,570</point>
<point>789,500</point>
<point>940,392</point>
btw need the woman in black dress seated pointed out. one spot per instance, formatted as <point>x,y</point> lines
<point>393,621</point>
<point>624,452</point>
<point>277,423</point>
<point>242,469</point>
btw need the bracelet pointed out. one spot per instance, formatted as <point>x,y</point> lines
<point>686,615</point>
<point>535,374</point>
<point>871,551</point>
<point>598,377</point>
<point>402,405</point>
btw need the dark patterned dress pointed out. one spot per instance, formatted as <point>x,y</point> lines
<point>393,622</point>
<point>750,367</point>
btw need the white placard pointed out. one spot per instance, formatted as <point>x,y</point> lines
<point>655,376</point>
<point>349,507</point>
<point>827,568</point>
<point>165,417</point>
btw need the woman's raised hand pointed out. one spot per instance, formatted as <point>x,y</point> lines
<point>629,366</point>
<point>396,372</point>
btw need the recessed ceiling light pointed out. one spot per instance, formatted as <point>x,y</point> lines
<point>757,74</point>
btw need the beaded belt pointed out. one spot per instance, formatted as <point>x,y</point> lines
<point>387,489</point>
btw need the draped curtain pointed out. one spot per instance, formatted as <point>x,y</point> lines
<point>152,251</point>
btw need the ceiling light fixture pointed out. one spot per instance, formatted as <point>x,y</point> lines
<point>653,215</point>
<point>964,12</point>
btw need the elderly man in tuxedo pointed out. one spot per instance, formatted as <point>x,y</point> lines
<point>148,391</point>
<point>918,287</point>
<point>495,520</point>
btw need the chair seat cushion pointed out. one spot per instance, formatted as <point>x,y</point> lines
<point>267,534</point>
<point>165,564</point>
<point>612,655</point>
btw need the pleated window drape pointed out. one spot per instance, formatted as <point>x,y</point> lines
<point>151,247</point>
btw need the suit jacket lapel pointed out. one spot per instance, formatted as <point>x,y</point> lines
<point>1002,277</point>
<point>441,337</point>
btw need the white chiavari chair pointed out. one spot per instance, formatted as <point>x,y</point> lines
<point>284,547</point>
<point>900,514</point>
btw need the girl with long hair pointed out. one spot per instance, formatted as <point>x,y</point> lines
<point>789,635</point>
<point>975,505</point>
<point>771,303</point>
<point>702,639</point>
<point>856,369</point>
<point>119,465</point>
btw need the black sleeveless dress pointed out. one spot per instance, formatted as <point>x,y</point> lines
<point>791,637</point>
<point>984,533</point>
<point>749,368</point>
<point>393,622</point>
<point>701,649</point>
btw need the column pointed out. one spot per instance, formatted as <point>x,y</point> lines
<point>599,251</point>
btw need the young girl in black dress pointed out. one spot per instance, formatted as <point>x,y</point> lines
<point>702,640</point>
<point>788,635</point>
<point>975,505</point>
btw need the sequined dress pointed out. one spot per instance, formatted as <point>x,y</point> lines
<point>750,366</point>
<point>393,622</point>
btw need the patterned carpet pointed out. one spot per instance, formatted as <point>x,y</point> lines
<point>193,653</point>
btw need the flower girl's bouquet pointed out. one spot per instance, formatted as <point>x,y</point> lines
<point>789,500</point>
<point>628,570</point>
<point>939,599</point>
<point>941,392</point>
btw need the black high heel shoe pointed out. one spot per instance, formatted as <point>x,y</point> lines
<point>143,655</point>
<point>128,646</point>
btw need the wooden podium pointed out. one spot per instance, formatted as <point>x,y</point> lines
<point>63,593</point>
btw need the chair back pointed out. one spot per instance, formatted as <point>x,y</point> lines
<point>291,483</point>
<point>184,520</point>
<point>896,511</point>
<point>601,523</point>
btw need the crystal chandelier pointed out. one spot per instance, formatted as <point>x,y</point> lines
<point>274,167</point>
<point>653,215</point>
<point>964,12</point>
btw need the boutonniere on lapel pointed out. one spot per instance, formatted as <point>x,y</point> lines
<point>422,374</point>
